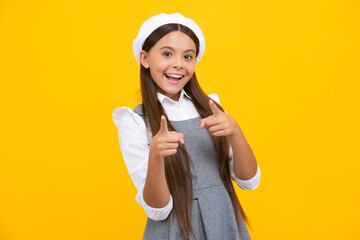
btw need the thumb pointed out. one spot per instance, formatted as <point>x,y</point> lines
<point>180,135</point>
<point>215,110</point>
<point>203,122</point>
<point>163,125</point>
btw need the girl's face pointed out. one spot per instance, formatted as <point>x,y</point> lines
<point>172,63</point>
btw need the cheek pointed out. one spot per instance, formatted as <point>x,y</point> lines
<point>157,65</point>
<point>157,70</point>
<point>191,71</point>
<point>190,67</point>
<point>162,65</point>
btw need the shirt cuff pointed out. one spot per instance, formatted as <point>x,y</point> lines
<point>249,184</point>
<point>156,214</point>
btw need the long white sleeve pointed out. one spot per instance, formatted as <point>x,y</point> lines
<point>135,147</point>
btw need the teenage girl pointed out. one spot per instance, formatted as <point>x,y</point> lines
<point>179,145</point>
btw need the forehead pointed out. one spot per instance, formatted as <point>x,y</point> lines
<point>177,40</point>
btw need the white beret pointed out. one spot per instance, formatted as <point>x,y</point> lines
<point>161,19</point>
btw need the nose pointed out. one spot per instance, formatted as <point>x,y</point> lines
<point>178,62</point>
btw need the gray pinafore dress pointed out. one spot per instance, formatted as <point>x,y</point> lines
<point>213,215</point>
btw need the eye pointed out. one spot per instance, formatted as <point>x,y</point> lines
<point>166,54</point>
<point>188,57</point>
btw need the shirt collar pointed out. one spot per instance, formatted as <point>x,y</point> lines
<point>162,97</point>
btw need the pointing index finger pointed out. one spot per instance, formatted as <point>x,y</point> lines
<point>215,110</point>
<point>163,125</point>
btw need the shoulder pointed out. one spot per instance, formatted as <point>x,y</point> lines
<point>214,97</point>
<point>125,116</point>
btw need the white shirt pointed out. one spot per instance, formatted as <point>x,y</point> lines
<point>135,146</point>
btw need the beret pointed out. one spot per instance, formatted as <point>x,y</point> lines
<point>161,19</point>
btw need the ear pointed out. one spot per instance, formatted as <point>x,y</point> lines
<point>144,59</point>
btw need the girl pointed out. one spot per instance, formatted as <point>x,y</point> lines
<point>179,145</point>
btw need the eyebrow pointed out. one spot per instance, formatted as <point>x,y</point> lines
<point>189,50</point>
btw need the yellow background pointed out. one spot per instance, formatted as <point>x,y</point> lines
<point>287,71</point>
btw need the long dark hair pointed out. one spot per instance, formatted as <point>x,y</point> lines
<point>177,166</point>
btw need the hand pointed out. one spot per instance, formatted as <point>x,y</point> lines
<point>220,123</point>
<point>165,143</point>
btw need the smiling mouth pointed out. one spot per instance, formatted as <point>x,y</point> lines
<point>174,77</point>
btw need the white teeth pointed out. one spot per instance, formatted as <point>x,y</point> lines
<point>173,75</point>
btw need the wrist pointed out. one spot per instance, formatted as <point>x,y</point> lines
<point>236,133</point>
<point>155,157</point>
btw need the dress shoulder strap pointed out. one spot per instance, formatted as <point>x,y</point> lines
<point>138,109</point>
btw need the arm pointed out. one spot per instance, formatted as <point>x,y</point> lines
<point>244,169</point>
<point>249,184</point>
<point>245,165</point>
<point>156,192</point>
<point>135,148</point>
<point>164,143</point>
